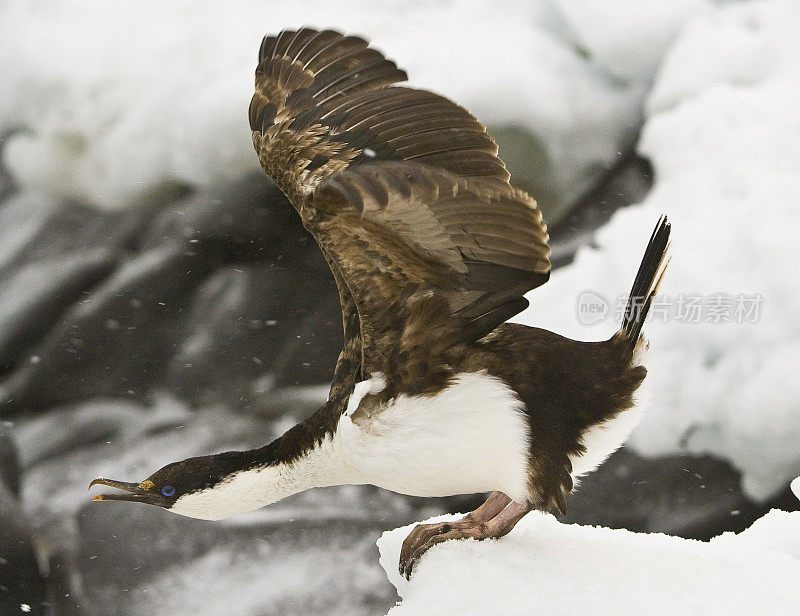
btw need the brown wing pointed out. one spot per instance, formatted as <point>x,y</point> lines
<point>333,132</point>
<point>322,103</point>
<point>400,231</point>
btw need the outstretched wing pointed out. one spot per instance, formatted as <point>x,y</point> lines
<point>402,189</point>
<point>400,232</point>
<point>322,103</point>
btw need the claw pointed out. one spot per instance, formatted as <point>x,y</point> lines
<point>495,518</point>
<point>409,567</point>
<point>421,539</point>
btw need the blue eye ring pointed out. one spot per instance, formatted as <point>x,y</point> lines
<point>168,490</point>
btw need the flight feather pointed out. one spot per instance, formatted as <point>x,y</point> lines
<point>402,189</point>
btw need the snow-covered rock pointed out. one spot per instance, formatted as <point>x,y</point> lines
<point>722,134</point>
<point>544,567</point>
<point>113,100</point>
<point>221,295</point>
<point>21,582</point>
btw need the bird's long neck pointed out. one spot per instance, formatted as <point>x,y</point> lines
<point>305,457</point>
<point>302,459</point>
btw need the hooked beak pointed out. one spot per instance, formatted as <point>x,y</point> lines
<point>136,492</point>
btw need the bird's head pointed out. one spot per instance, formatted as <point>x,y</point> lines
<point>206,487</point>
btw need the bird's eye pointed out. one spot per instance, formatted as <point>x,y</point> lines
<point>168,490</point>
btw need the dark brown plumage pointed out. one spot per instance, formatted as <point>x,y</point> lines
<point>403,191</point>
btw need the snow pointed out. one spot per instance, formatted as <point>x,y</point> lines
<point>722,132</point>
<point>777,530</point>
<point>545,567</point>
<point>113,101</point>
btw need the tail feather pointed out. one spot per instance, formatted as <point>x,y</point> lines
<point>648,278</point>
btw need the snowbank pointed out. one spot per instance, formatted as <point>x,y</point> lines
<point>115,99</point>
<point>545,567</point>
<point>722,133</point>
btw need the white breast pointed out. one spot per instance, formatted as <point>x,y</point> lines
<point>471,437</point>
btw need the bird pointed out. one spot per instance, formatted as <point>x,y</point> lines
<point>432,251</point>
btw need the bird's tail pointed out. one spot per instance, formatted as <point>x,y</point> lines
<point>648,278</point>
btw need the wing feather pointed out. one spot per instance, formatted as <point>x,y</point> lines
<point>402,189</point>
<point>391,228</point>
<point>324,96</point>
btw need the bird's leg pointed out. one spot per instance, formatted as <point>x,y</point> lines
<point>495,518</point>
<point>493,505</point>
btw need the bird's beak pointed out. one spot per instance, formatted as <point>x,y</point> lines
<point>135,492</point>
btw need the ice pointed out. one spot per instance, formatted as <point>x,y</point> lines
<point>111,101</point>
<point>722,133</point>
<point>546,567</point>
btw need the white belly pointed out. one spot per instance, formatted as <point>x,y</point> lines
<point>471,437</point>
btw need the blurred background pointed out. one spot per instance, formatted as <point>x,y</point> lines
<point>159,298</point>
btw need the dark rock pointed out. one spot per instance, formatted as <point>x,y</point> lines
<point>270,319</point>
<point>61,432</point>
<point>34,297</point>
<point>21,583</point>
<point>51,254</point>
<point>697,497</point>
<point>256,325</point>
<point>246,220</point>
<point>22,586</point>
<point>118,339</point>
<point>531,167</point>
<point>309,355</point>
<point>216,294</point>
<point>625,183</point>
<point>232,332</point>
<point>66,595</point>
<point>36,228</point>
<point>529,163</point>
<point>7,185</point>
<point>9,462</point>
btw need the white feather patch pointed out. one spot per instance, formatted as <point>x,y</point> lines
<point>372,386</point>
